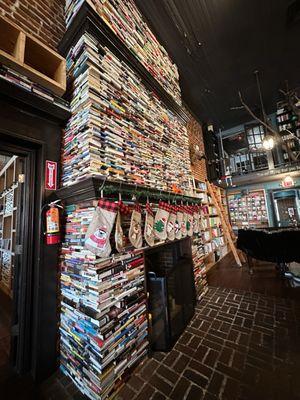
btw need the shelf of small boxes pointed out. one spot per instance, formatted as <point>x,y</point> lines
<point>248,210</point>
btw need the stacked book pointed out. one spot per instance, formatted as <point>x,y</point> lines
<point>199,266</point>
<point>103,311</point>
<point>119,129</point>
<point>26,84</point>
<point>127,23</point>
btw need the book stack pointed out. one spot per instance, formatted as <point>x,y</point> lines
<point>125,20</point>
<point>24,83</point>
<point>119,129</point>
<point>199,266</point>
<point>103,311</point>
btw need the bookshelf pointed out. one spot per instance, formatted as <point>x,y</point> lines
<point>8,220</point>
<point>126,134</point>
<point>27,55</point>
<point>287,120</point>
<point>215,244</point>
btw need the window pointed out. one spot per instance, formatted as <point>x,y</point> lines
<point>255,136</point>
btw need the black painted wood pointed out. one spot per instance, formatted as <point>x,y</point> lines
<point>88,20</point>
<point>26,133</point>
<point>22,98</point>
<point>90,188</point>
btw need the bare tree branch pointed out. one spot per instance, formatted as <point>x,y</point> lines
<point>269,129</point>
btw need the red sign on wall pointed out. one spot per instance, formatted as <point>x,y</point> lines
<point>51,175</point>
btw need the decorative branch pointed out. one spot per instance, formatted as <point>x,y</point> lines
<point>269,128</point>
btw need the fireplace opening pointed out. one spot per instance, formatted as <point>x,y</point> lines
<point>171,292</point>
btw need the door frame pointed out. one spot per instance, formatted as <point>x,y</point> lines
<point>26,261</point>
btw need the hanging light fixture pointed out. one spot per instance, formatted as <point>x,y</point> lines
<point>268,142</point>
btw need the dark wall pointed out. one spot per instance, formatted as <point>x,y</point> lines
<point>41,136</point>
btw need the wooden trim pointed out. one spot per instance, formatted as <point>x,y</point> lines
<point>48,67</point>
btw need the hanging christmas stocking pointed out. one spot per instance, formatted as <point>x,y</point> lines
<point>184,222</point>
<point>135,230</point>
<point>171,223</point>
<point>119,235</point>
<point>161,220</point>
<point>149,222</point>
<point>190,221</point>
<point>178,222</point>
<point>99,230</point>
<point>196,220</point>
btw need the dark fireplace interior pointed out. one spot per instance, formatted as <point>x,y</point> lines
<point>171,291</point>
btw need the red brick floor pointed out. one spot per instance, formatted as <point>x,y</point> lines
<point>240,345</point>
<point>243,343</point>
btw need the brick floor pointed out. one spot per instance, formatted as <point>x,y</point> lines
<point>239,345</point>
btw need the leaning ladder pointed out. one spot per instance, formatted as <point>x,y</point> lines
<point>225,223</point>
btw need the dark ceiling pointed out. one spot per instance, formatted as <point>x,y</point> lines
<point>218,44</point>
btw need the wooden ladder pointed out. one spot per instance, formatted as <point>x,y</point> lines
<point>228,232</point>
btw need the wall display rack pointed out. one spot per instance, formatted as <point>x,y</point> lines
<point>248,209</point>
<point>9,191</point>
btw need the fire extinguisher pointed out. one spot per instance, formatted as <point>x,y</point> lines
<point>52,223</point>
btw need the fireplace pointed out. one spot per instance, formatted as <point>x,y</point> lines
<point>171,292</point>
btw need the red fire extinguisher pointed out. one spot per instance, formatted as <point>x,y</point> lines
<point>52,224</point>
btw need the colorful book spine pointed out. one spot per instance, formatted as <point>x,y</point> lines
<point>128,24</point>
<point>103,325</point>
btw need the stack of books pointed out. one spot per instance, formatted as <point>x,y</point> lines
<point>125,20</point>
<point>199,266</point>
<point>118,128</point>
<point>104,329</point>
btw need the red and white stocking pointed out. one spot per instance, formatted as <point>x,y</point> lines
<point>178,222</point>
<point>171,223</point>
<point>184,222</point>
<point>190,221</point>
<point>161,220</point>
<point>99,230</point>
<point>149,223</point>
<point>196,221</point>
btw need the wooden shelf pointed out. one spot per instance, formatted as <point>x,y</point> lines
<point>29,101</point>
<point>27,55</point>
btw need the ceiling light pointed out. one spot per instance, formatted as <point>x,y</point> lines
<point>268,142</point>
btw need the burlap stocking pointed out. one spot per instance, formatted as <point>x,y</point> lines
<point>161,220</point>
<point>178,223</point>
<point>171,223</point>
<point>135,230</point>
<point>99,230</point>
<point>119,235</point>
<point>190,221</point>
<point>196,216</point>
<point>149,222</point>
<point>184,222</point>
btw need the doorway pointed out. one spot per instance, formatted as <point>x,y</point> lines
<point>12,177</point>
<point>286,207</point>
